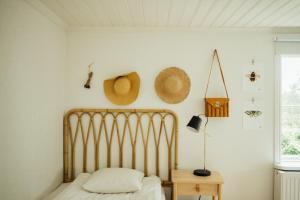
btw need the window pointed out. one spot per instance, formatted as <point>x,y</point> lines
<point>290,108</point>
<point>287,100</point>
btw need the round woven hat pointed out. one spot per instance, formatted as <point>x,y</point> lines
<point>172,85</point>
<point>123,89</point>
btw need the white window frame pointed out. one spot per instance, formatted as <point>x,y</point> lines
<point>277,109</point>
<point>277,120</point>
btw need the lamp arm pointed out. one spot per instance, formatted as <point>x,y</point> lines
<point>206,119</point>
<point>204,151</point>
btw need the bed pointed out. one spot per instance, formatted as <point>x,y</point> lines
<point>151,190</point>
<point>142,139</point>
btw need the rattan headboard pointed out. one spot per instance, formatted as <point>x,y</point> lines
<point>134,134</point>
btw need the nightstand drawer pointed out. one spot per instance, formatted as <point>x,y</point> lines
<point>196,189</point>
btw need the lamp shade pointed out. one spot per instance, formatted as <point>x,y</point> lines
<point>194,124</point>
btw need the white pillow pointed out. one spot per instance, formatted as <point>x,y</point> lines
<point>114,180</point>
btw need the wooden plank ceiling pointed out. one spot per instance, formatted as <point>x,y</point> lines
<point>177,13</point>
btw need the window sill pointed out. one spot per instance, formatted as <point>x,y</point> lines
<point>288,166</point>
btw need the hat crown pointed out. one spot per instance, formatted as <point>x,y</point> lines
<point>122,85</point>
<point>172,84</point>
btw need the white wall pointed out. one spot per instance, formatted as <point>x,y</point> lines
<point>32,74</point>
<point>244,158</point>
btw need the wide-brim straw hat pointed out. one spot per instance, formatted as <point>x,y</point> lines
<point>123,89</point>
<point>172,85</point>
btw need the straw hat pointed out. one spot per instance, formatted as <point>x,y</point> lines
<point>172,85</point>
<point>123,89</point>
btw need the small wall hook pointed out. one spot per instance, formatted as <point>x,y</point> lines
<point>90,75</point>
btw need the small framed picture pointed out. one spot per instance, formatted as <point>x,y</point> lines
<point>253,78</point>
<point>252,115</point>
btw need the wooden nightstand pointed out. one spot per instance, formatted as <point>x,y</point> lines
<point>186,183</point>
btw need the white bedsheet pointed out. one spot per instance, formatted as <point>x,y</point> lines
<point>151,190</point>
<point>57,191</point>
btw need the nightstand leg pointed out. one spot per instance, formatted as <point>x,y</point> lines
<point>174,191</point>
<point>220,192</point>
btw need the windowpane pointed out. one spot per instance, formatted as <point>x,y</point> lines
<point>290,107</point>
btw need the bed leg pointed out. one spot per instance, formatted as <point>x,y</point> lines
<point>174,191</point>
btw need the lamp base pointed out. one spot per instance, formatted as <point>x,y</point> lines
<point>202,172</point>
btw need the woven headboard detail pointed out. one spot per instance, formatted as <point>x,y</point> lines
<point>144,139</point>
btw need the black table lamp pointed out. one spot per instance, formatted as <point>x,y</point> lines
<point>194,125</point>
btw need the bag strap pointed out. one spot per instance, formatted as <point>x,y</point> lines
<point>222,75</point>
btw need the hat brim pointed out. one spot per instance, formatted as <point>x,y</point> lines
<point>169,97</point>
<point>130,97</point>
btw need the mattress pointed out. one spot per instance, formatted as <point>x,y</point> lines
<point>151,190</point>
<point>57,191</point>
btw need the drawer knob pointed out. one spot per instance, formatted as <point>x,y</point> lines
<point>197,188</point>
